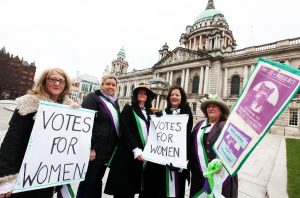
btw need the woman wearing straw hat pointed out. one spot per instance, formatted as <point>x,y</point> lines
<point>204,135</point>
<point>126,169</point>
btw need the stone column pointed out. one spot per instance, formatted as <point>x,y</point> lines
<point>157,101</point>
<point>225,83</point>
<point>206,44</point>
<point>201,80</point>
<point>190,45</point>
<point>167,78</point>
<point>171,78</point>
<point>128,90</point>
<point>287,62</point>
<point>182,78</point>
<point>186,83</point>
<point>252,68</point>
<point>195,39</point>
<point>245,75</point>
<point>206,80</point>
<point>200,43</point>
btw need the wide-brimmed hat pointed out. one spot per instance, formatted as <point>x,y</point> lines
<point>146,87</point>
<point>215,99</point>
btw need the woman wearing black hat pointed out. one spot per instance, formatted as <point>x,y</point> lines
<point>204,135</point>
<point>125,178</point>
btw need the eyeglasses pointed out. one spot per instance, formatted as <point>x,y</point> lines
<point>54,80</point>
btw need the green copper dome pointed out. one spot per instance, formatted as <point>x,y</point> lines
<point>207,14</point>
<point>122,52</point>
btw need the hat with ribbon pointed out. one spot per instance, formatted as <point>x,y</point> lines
<point>215,99</point>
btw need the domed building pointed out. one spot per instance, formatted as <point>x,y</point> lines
<point>207,61</point>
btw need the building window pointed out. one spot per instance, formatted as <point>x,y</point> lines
<point>293,119</point>
<point>125,91</point>
<point>194,108</point>
<point>235,85</point>
<point>195,86</point>
<point>178,81</point>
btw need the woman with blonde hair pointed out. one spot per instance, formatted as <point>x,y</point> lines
<point>105,135</point>
<point>53,86</point>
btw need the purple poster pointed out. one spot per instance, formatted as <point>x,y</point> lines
<point>267,93</point>
<point>233,143</point>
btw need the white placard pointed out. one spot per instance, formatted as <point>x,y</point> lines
<point>58,148</point>
<point>167,140</point>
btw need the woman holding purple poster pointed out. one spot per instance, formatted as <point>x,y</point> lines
<point>203,159</point>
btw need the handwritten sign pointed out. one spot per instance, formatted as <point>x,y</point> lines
<point>167,140</point>
<point>58,148</point>
<point>267,93</point>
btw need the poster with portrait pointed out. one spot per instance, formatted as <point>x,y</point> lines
<point>58,149</point>
<point>267,93</point>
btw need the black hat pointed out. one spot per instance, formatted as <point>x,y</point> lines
<point>146,87</point>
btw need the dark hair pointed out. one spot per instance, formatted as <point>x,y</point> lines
<point>183,102</point>
<point>134,100</point>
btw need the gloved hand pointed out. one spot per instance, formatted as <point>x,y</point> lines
<point>158,113</point>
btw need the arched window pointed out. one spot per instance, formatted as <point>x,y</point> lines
<point>178,81</point>
<point>125,91</point>
<point>235,85</point>
<point>195,86</point>
<point>132,88</point>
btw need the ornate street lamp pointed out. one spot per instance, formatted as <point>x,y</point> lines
<point>159,86</point>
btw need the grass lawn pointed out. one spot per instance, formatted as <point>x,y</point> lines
<point>293,167</point>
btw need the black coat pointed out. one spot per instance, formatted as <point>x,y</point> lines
<point>125,176</point>
<point>230,186</point>
<point>104,136</point>
<point>15,142</point>
<point>155,174</point>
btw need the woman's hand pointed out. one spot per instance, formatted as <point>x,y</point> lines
<point>92,155</point>
<point>140,158</point>
<point>74,105</point>
<point>8,194</point>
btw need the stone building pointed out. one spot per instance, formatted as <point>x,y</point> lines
<point>207,62</point>
<point>16,75</point>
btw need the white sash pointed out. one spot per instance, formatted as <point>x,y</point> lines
<point>114,114</point>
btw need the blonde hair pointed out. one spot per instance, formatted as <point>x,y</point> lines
<point>40,87</point>
<point>108,76</point>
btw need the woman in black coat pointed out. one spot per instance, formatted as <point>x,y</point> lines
<point>168,181</point>
<point>53,86</point>
<point>204,135</point>
<point>105,135</point>
<point>125,178</point>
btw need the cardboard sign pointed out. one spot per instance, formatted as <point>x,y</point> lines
<point>267,93</point>
<point>58,148</point>
<point>167,140</point>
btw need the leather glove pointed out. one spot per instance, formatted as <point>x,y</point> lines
<point>158,113</point>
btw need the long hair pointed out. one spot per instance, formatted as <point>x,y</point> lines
<point>40,87</point>
<point>183,102</point>
<point>134,100</point>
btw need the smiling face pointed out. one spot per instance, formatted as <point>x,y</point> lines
<point>214,112</point>
<point>175,98</point>
<point>55,85</point>
<point>142,96</point>
<point>109,86</point>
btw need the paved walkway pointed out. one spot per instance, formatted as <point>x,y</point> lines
<point>254,176</point>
